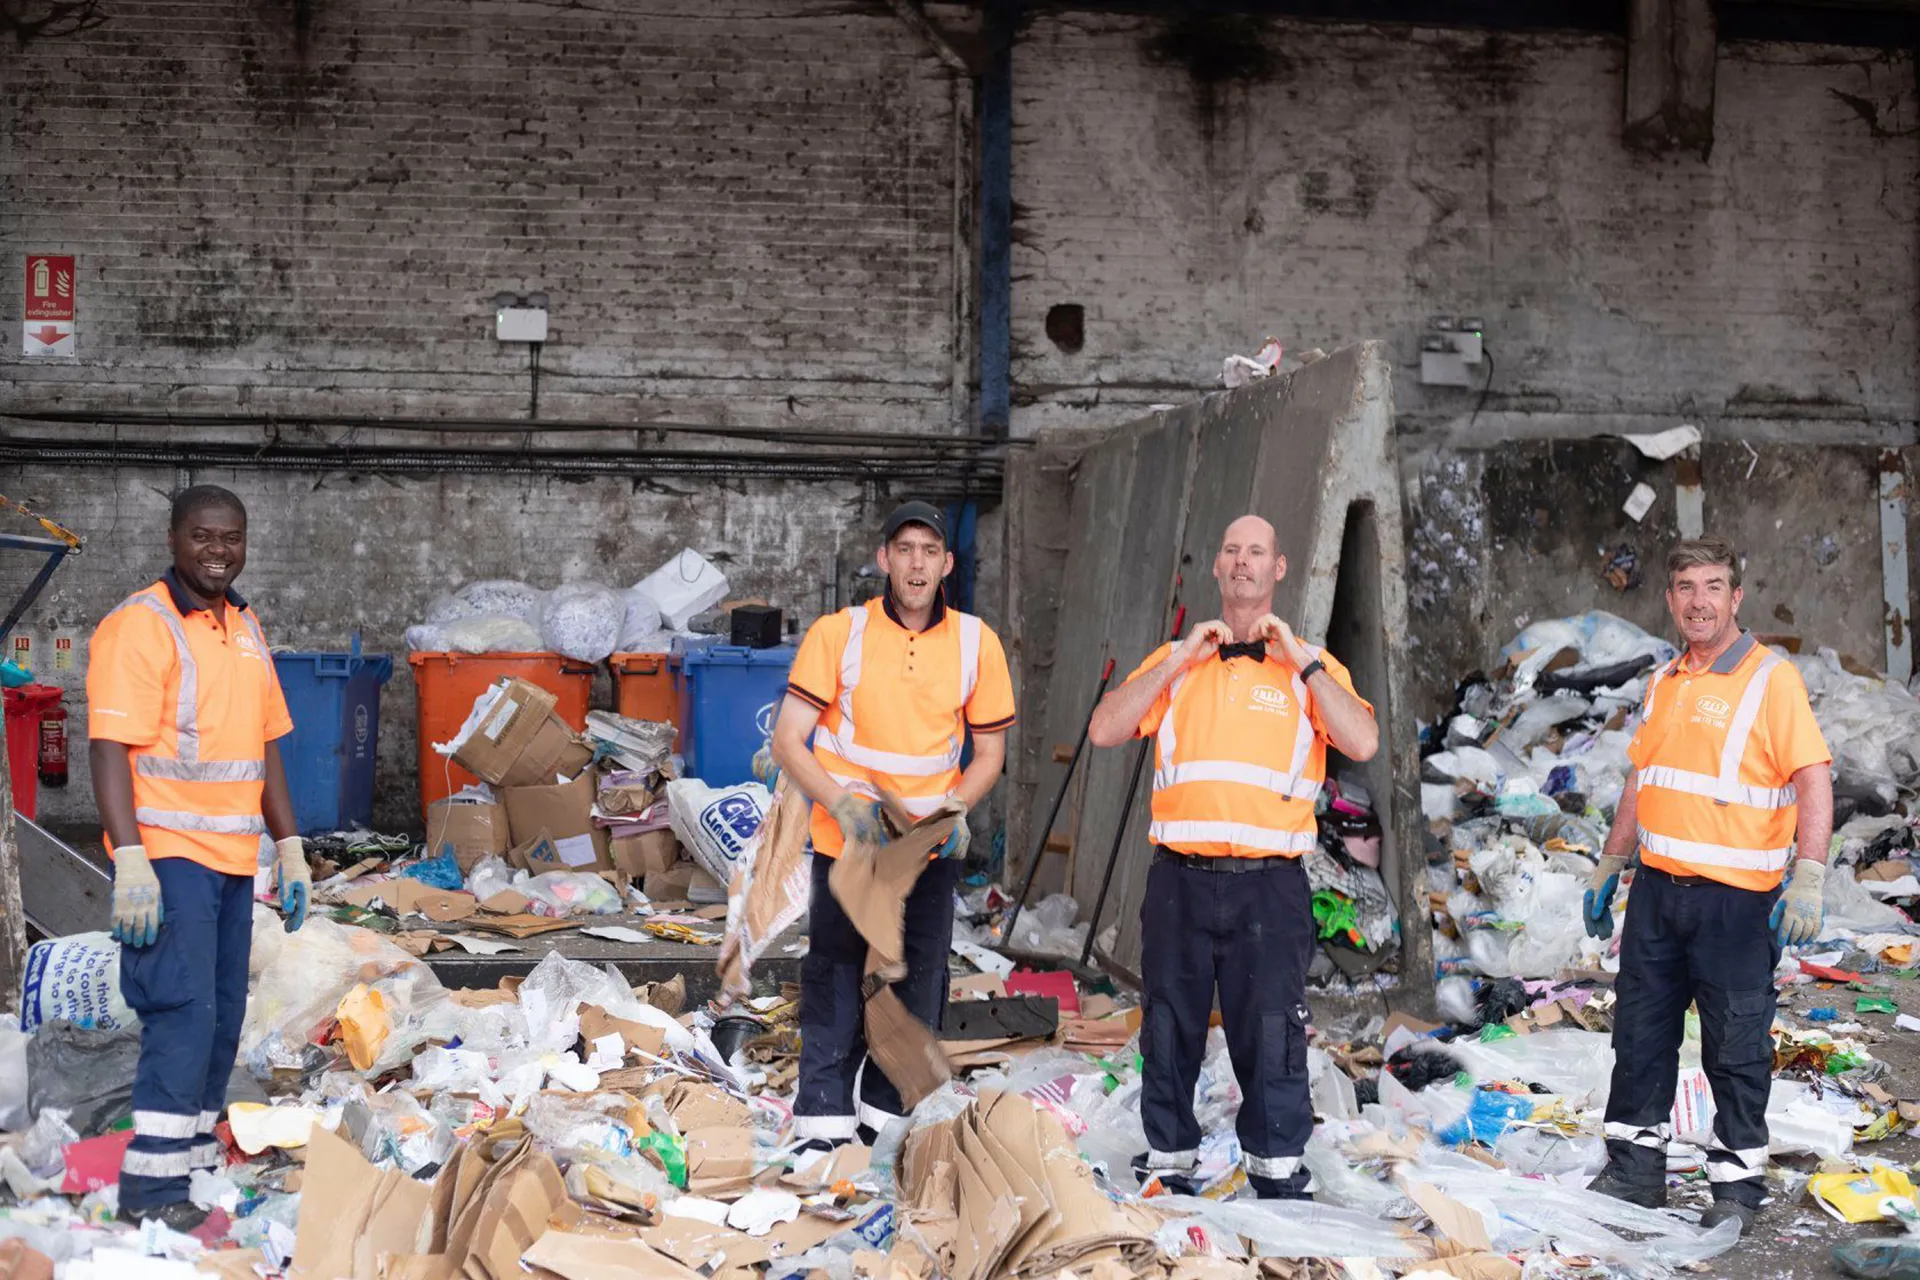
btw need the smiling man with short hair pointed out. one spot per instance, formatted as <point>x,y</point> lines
<point>1730,773</point>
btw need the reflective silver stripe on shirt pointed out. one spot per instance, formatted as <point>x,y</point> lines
<point>186,715</point>
<point>208,771</point>
<point>918,806</point>
<point>1245,835</point>
<point>212,824</point>
<point>844,741</point>
<point>1714,855</point>
<point>1290,785</point>
<point>1708,787</point>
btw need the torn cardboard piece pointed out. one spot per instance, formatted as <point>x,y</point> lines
<point>563,813</point>
<point>521,741</point>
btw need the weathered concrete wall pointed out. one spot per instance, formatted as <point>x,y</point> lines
<point>1195,186</point>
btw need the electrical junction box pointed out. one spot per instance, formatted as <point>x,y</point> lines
<point>1449,350</point>
<point>521,324</point>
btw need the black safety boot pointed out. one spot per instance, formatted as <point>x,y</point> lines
<point>1724,1210</point>
<point>181,1215</point>
<point>1612,1182</point>
<point>1178,1182</point>
<point>1292,1187</point>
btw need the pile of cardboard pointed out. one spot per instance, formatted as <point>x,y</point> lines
<point>546,806</point>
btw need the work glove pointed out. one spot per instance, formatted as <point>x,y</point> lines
<point>955,845</point>
<point>296,882</point>
<point>859,819</point>
<point>136,898</point>
<point>1797,915</point>
<point>1597,910</point>
<point>765,769</point>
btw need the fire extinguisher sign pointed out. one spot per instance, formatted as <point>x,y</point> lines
<point>46,327</point>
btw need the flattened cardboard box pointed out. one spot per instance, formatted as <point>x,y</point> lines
<point>642,855</point>
<point>563,813</point>
<point>473,828</point>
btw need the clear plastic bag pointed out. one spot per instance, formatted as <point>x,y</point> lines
<point>489,633</point>
<point>1300,1229</point>
<point>13,1077</point>
<point>1048,926</point>
<point>503,596</point>
<point>571,893</point>
<point>1573,1063</point>
<point>491,875</point>
<point>312,969</point>
<point>640,621</point>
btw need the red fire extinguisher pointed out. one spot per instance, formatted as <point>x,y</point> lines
<point>53,746</point>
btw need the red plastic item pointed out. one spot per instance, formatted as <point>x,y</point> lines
<point>93,1163</point>
<point>25,706</point>
<point>1827,973</point>
<point>1058,984</point>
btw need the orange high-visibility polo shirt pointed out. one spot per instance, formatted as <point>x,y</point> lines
<point>1716,752</point>
<point>1237,767</point>
<point>895,704</point>
<point>197,701</point>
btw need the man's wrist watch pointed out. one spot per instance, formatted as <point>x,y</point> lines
<point>1306,672</point>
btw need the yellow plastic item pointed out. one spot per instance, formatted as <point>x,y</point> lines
<point>1855,1196</point>
<point>364,1025</point>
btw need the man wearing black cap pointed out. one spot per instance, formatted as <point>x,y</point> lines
<point>888,692</point>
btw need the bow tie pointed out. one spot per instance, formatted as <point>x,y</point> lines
<point>1255,649</point>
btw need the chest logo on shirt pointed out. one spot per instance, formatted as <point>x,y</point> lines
<point>1267,697</point>
<point>245,644</point>
<point>1711,711</point>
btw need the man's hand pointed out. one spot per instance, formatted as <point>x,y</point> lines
<point>1203,642</point>
<point>1597,909</point>
<point>296,881</point>
<point>1281,642</point>
<point>1798,914</point>
<point>859,819</point>
<point>137,909</point>
<point>955,845</point>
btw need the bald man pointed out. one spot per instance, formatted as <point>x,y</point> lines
<point>1242,712</point>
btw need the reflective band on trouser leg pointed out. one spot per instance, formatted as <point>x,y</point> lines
<point>1270,1166</point>
<point>1655,1137</point>
<point>1735,1166</point>
<point>1715,855</point>
<point>873,1117</point>
<point>165,1124</point>
<point>1173,1161</point>
<point>206,1155</point>
<point>213,824</point>
<point>208,1119</point>
<point>148,1164</point>
<point>1262,838</point>
<point>827,1128</point>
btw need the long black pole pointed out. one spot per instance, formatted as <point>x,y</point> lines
<point>1046,829</point>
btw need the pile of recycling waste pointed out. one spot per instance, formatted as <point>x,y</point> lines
<point>568,1123</point>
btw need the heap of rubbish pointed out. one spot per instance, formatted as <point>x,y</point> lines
<point>568,1123</point>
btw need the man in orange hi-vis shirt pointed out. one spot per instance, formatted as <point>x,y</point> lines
<point>1242,713</point>
<point>1730,774</point>
<point>889,692</point>
<point>184,708</point>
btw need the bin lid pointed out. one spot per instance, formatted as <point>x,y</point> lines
<point>718,655</point>
<point>339,663</point>
<point>31,699</point>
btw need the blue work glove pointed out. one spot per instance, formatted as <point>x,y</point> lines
<point>860,820</point>
<point>955,845</point>
<point>1597,909</point>
<point>296,882</point>
<point>1798,914</point>
<point>137,909</point>
<point>764,768</point>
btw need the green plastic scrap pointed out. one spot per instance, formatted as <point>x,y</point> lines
<point>1496,1031</point>
<point>1875,1004</point>
<point>1336,913</point>
<point>670,1151</point>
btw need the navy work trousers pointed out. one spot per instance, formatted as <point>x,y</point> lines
<point>833,1039</point>
<point>190,989</point>
<point>1694,943</point>
<point>1250,934</point>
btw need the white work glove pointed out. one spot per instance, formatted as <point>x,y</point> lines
<point>1798,914</point>
<point>859,819</point>
<point>296,882</point>
<point>137,910</point>
<point>955,845</point>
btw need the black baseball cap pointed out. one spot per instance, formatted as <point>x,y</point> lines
<point>914,513</point>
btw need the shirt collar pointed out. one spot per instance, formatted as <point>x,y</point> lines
<point>935,619</point>
<point>1725,664</point>
<point>183,603</point>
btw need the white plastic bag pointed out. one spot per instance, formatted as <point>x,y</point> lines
<point>571,893</point>
<point>717,825</point>
<point>490,633</point>
<point>13,1077</point>
<point>77,979</point>
<point>501,595</point>
<point>684,586</point>
<point>583,620</point>
<point>640,623</point>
